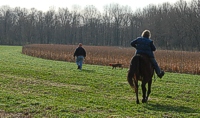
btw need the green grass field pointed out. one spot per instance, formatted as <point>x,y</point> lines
<point>34,87</point>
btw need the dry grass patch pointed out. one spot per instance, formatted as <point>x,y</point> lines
<point>171,61</point>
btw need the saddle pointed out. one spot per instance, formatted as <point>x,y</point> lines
<point>146,56</point>
<point>141,64</point>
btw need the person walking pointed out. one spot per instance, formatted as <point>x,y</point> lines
<point>144,45</point>
<point>80,55</point>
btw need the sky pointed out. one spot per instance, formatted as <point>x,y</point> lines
<point>45,5</point>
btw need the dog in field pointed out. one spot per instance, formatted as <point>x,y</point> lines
<point>114,65</point>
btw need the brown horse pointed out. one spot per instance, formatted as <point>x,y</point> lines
<point>141,69</point>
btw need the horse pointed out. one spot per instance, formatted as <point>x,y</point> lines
<point>141,69</point>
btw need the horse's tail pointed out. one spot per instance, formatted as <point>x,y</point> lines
<point>134,70</point>
<point>134,67</point>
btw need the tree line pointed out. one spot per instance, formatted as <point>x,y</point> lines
<point>173,26</point>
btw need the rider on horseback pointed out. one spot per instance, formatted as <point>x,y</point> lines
<point>144,45</point>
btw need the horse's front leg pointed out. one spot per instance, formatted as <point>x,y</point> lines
<point>144,92</point>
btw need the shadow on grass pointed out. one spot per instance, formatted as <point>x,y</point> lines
<point>167,108</point>
<point>87,70</point>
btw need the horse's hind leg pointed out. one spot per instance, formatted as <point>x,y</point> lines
<point>136,92</point>
<point>133,84</point>
<point>149,89</point>
<point>144,92</point>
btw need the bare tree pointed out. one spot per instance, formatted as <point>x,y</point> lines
<point>173,26</point>
<point>49,26</point>
<point>6,23</point>
<point>65,19</point>
<point>75,24</point>
<point>91,21</point>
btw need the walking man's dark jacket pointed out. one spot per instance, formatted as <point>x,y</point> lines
<point>79,52</point>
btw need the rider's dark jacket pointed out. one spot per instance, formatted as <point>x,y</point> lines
<point>144,46</point>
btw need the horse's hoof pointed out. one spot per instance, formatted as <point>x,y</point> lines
<point>144,100</point>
